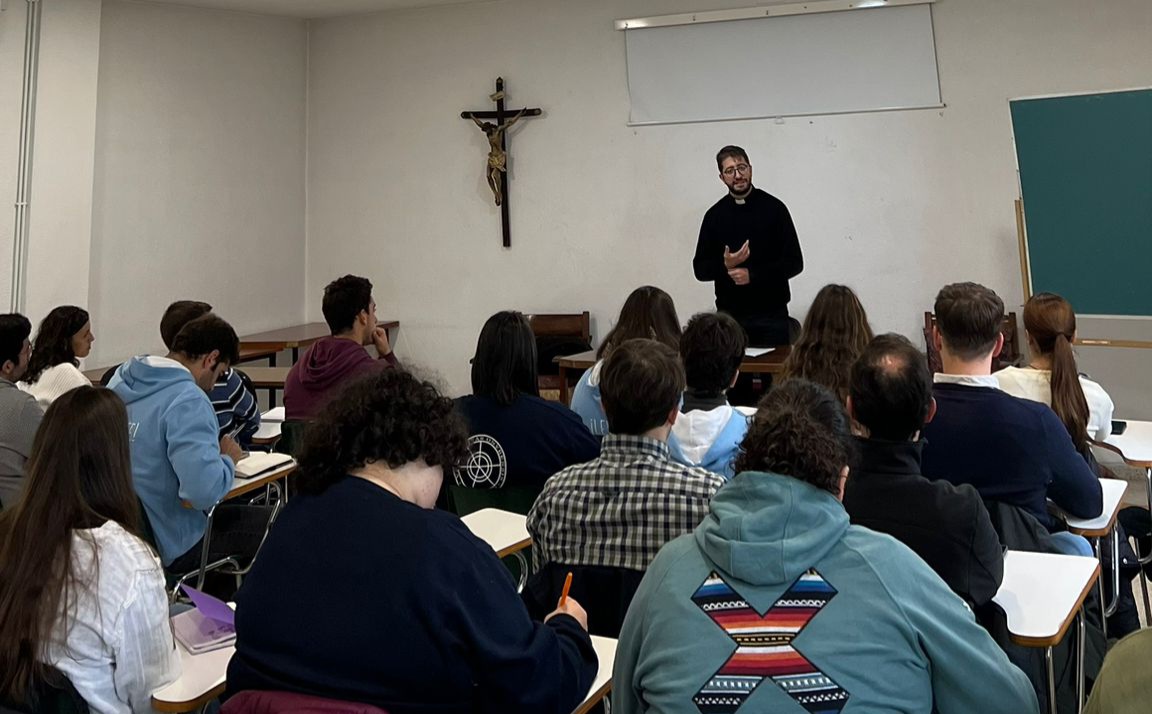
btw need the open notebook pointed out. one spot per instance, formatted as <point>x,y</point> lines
<point>259,463</point>
<point>210,625</point>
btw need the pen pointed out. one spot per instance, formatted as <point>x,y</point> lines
<point>567,587</point>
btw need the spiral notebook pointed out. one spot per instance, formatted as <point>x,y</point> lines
<point>210,625</point>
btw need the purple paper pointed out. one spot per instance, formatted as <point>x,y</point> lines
<point>210,607</point>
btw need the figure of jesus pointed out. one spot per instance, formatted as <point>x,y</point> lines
<point>497,158</point>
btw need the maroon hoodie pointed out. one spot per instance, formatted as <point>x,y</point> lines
<point>327,365</point>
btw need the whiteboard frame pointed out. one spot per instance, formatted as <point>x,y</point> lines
<point>748,13</point>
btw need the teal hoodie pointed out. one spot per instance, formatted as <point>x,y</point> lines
<point>175,445</point>
<point>875,630</point>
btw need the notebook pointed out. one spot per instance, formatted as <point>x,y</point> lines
<point>211,625</point>
<point>258,463</point>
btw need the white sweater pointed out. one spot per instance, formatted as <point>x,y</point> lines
<point>116,647</point>
<point>1036,385</point>
<point>54,381</point>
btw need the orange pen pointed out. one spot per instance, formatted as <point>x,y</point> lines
<point>567,587</point>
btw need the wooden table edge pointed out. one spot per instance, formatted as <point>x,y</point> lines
<point>514,548</point>
<point>260,482</point>
<point>1054,640</point>
<point>595,698</point>
<point>164,705</point>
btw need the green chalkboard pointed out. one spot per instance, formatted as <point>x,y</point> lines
<point>1086,180</point>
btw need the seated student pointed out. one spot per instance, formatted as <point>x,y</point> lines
<point>1014,451</point>
<point>890,397</point>
<point>533,438</point>
<point>180,465</point>
<point>350,313</point>
<point>606,519</point>
<point>237,411</point>
<point>64,338</point>
<point>19,413</point>
<point>1124,685</point>
<point>709,430</point>
<point>409,611</point>
<point>79,590</point>
<point>835,332</point>
<point>649,313</point>
<point>1051,376</point>
<point>776,585</point>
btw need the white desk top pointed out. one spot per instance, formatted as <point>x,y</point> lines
<point>1113,490</point>
<point>240,485</point>
<point>1042,592</point>
<point>203,673</point>
<point>1135,444</point>
<point>505,532</point>
<point>267,431</point>
<point>606,652</point>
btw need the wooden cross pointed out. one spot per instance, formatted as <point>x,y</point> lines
<point>496,170</point>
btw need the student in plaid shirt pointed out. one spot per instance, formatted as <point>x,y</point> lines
<point>606,519</point>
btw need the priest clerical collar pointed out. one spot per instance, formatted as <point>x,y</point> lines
<point>742,198</point>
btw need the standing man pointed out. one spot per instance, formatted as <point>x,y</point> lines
<point>748,247</point>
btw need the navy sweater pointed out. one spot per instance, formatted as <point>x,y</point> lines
<point>537,438</point>
<point>358,595</point>
<point>1012,450</point>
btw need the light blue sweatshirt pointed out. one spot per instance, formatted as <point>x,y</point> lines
<point>586,401</point>
<point>878,631</point>
<point>175,450</point>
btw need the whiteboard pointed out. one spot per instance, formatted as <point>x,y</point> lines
<point>830,63</point>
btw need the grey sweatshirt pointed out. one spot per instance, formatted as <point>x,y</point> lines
<point>19,418</point>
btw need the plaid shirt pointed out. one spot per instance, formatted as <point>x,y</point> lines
<point>618,510</point>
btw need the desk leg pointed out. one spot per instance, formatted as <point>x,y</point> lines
<point>523,562</point>
<point>1144,559</point>
<point>1111,609</point>
<point>272,360</point>
<point>1096,548</point>
<point>1051,680</point>
<point>204,550</point>
<point>1081,633</point>
<point>565,399</point>
<point>271,397</point>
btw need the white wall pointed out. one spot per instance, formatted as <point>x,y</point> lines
<point>893,204</point>
<point>199,179</point>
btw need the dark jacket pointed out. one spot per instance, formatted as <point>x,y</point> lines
<point>1012,450</point>
<point>327,365</point>
<point>358,595</point>
<point>946,525</point>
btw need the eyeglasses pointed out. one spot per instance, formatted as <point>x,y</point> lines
<point>737,169</point>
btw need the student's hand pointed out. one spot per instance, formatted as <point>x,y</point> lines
<point>380,339</point>
<point>570,607</point>
<point>739,275</point>
<point>731,260</point>
<point>229,448</point>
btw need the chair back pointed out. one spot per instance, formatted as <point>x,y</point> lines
<point>1010,356</point>
<point>107,377</point>
<point>269,702</point>
<point>291,437</point>
<point>604,593</point>
<point>558,334</point>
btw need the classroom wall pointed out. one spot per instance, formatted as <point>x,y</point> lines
<point>199,180</point>
<point>894,204</point>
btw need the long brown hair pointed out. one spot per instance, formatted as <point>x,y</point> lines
<point>1051,323</point>
<point>648,313</point>
<point>77,476</point>
<point>836,331</point>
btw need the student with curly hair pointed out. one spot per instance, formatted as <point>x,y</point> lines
<point>835,332</point>
<point>648,313</point>
<point>400,606</point>
<point>777,601</point>
<point>64,338</point>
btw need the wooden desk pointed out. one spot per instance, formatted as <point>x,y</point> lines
<point>605,652</point>
<point>1135,447</point>
<point>1104,526</point>
<point>95,374</point>
<point>1041,595</point>
<point>769,363</point>
<point>506,532</point>
<point>204,676</point>
<point>298,336</point>
<point>241,486</point>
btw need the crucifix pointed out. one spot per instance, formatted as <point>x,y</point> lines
<point>496,170</point>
